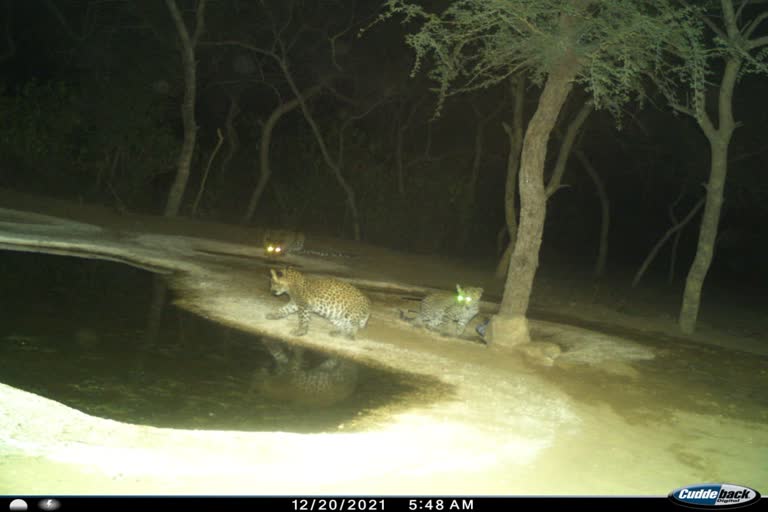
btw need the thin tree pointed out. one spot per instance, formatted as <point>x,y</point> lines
<point>605,212</point>
<point>204,180</point>
<point>602,44</point>
<point>673,230</point>
<point>735,51</point>
<point>515,138</point>
<point>265,169</point>
<point>278,52</point>
<point>188,44</point>
<point>555,180</point>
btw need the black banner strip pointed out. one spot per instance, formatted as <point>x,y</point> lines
<point>325,503</point>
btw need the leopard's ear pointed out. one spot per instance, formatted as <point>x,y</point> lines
<point>274,274</point>
<point>459,290</point>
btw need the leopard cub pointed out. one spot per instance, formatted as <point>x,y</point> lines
<point>448,313</point>
<point>337,301</point>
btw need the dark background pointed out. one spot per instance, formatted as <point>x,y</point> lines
<point>90,110</point>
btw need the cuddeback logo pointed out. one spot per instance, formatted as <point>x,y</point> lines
<point>714,496</point>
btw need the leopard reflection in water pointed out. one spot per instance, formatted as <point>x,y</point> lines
<point>295,377</point>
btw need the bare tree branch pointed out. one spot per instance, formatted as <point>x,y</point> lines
<point>199,22</point>
<point>339,95</point>
<point>682,109</point>
<point>671,231</point>
<point>565,148</point>
<point>350,25</point>
<point>254,49</point>
<point>757,43</point>
<point>755,23</point>
<point>181,27</point>
<point>744,3</point>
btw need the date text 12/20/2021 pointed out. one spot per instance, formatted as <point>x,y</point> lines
<point>378,504</point>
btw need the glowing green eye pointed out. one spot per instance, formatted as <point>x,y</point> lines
<point>460,298</point>
<point>270,248</point>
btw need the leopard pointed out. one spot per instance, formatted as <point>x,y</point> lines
<point>339,302</point>
<point>280,242</point>
<point>448,313</point>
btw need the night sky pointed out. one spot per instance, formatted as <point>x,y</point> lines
<point>91,112</point>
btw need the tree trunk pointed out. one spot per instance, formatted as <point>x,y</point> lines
<point>689,312</point>
<point>510,326</point>
<point>605,213</point>
<point>515,136</point>
<point>510,192</point>
<point>176,194</point>
<point>719,139</point>
<point>402,128</point>
<point>554,183</point>
<point>675,241</point>
<point>232,138</point>
<point>207,171</point>
<point>565,148</point>
<point>265,171</point>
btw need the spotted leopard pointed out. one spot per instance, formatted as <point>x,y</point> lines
<point>279,242</point>
<point>341,303</point>
<point>448,313</point>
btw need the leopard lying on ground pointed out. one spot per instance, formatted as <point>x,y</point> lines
<point>279,242</point>
<point>341,303</point>
<point>448,313</point>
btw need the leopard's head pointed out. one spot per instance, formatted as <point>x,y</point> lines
<point>274,248</point>
<point>468,296</point>
<point>283,279</point>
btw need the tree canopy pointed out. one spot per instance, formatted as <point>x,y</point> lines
<point>474,44</point>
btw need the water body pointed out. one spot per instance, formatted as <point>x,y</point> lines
<point>84,333</point>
